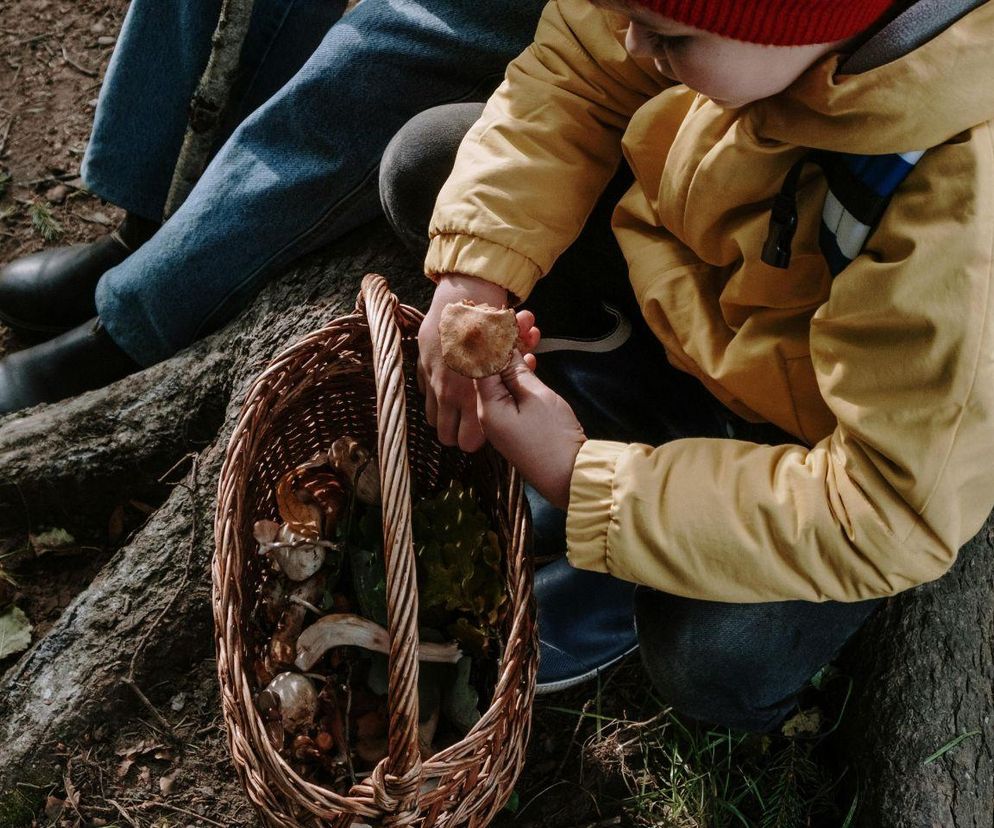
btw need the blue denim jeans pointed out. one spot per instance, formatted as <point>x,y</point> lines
<point>320,95</point>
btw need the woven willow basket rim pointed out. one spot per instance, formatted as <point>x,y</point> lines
<point>467,782</point>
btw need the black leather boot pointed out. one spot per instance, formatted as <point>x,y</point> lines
<point>79,360</point>
<point>49,292</point>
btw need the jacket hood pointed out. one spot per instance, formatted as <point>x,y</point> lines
<point>918,101</point>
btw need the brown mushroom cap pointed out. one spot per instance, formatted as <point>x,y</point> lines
<point>477,340</point>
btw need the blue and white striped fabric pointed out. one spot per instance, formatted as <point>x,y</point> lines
<point>859,188</point>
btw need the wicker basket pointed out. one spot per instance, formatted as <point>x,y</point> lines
<point>349,378</point>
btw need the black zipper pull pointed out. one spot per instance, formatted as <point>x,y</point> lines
<point>783,217</point>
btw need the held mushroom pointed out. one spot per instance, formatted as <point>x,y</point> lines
<point>297,700</point>
<point>477,340</point>
<point>296,556</point>
<point>346,630</point>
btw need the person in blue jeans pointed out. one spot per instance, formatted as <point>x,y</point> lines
<point>320,94</point>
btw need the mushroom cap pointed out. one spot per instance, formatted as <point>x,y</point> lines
<point>298,700</point>
<point>477,340</point>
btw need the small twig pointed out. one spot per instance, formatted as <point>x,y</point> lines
<point>6,133</point>
<point>167,728</point>
<point>48,178</point>
<point>70,789</point>
<point>348,717</point>
<point>90,73</point>
<point>155,803</point>
<point>615,820</point>
<point>296,599</point>
<point>124,813</point>
<point>174,466</point>
<point>34,39</point>
<point>576,732</point>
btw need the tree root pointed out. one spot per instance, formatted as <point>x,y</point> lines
<point>146,617</point>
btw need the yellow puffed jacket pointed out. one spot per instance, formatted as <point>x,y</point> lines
<point>885,374</point>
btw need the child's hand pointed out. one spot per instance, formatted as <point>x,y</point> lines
<point>532,427</point>
<point>450,399</point>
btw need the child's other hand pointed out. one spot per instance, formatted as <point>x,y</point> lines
<point>532,427</point>
<point>450,399</point>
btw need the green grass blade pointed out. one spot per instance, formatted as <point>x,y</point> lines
<point>948,746</point>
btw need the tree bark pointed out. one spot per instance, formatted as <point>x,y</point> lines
<point>147,615</point>
<point>209,100</point>
<point>924,670</point>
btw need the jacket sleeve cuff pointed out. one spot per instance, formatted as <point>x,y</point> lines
<point>591,505</point>
<point>472,256</point>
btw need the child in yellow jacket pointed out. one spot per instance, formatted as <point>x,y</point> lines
<point>767,429</point>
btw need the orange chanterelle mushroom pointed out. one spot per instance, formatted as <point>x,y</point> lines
<point>477,340</point>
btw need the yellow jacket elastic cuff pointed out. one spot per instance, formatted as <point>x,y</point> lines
<point>591,505</point>
<point>473,256</point>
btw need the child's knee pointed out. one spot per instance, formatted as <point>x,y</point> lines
<point>702,666</point>
<point>416,163</point>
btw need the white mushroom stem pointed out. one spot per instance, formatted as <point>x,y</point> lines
<point>296,556</point>
<point>343,629</point>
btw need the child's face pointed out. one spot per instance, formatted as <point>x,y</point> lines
<point>730,72</point>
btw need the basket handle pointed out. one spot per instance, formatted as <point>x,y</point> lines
<point>397,778</point>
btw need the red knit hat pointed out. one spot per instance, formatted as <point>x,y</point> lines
<point>775,22</point>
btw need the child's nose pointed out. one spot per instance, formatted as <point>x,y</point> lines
<point>638,41</point>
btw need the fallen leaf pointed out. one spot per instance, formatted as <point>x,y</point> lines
<point>72,795</point>
<point>144,775</point>
<point>167,782</point>
<point>50,540</point>
<point>138,748</point>
<point>803,722</point>
<point>177,702</point>
<point>57,194</point>
<point>124,767</point>
<point>15,632</point>
<point>54,808</point>
<point>95,217</point>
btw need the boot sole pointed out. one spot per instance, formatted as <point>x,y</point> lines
<point>21,327</point>
<point>572,681</point>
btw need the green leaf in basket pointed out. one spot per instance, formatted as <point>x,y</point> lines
<point>513,803</point>
<point>459,561</point>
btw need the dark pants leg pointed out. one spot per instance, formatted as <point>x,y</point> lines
<point>740,665</point>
